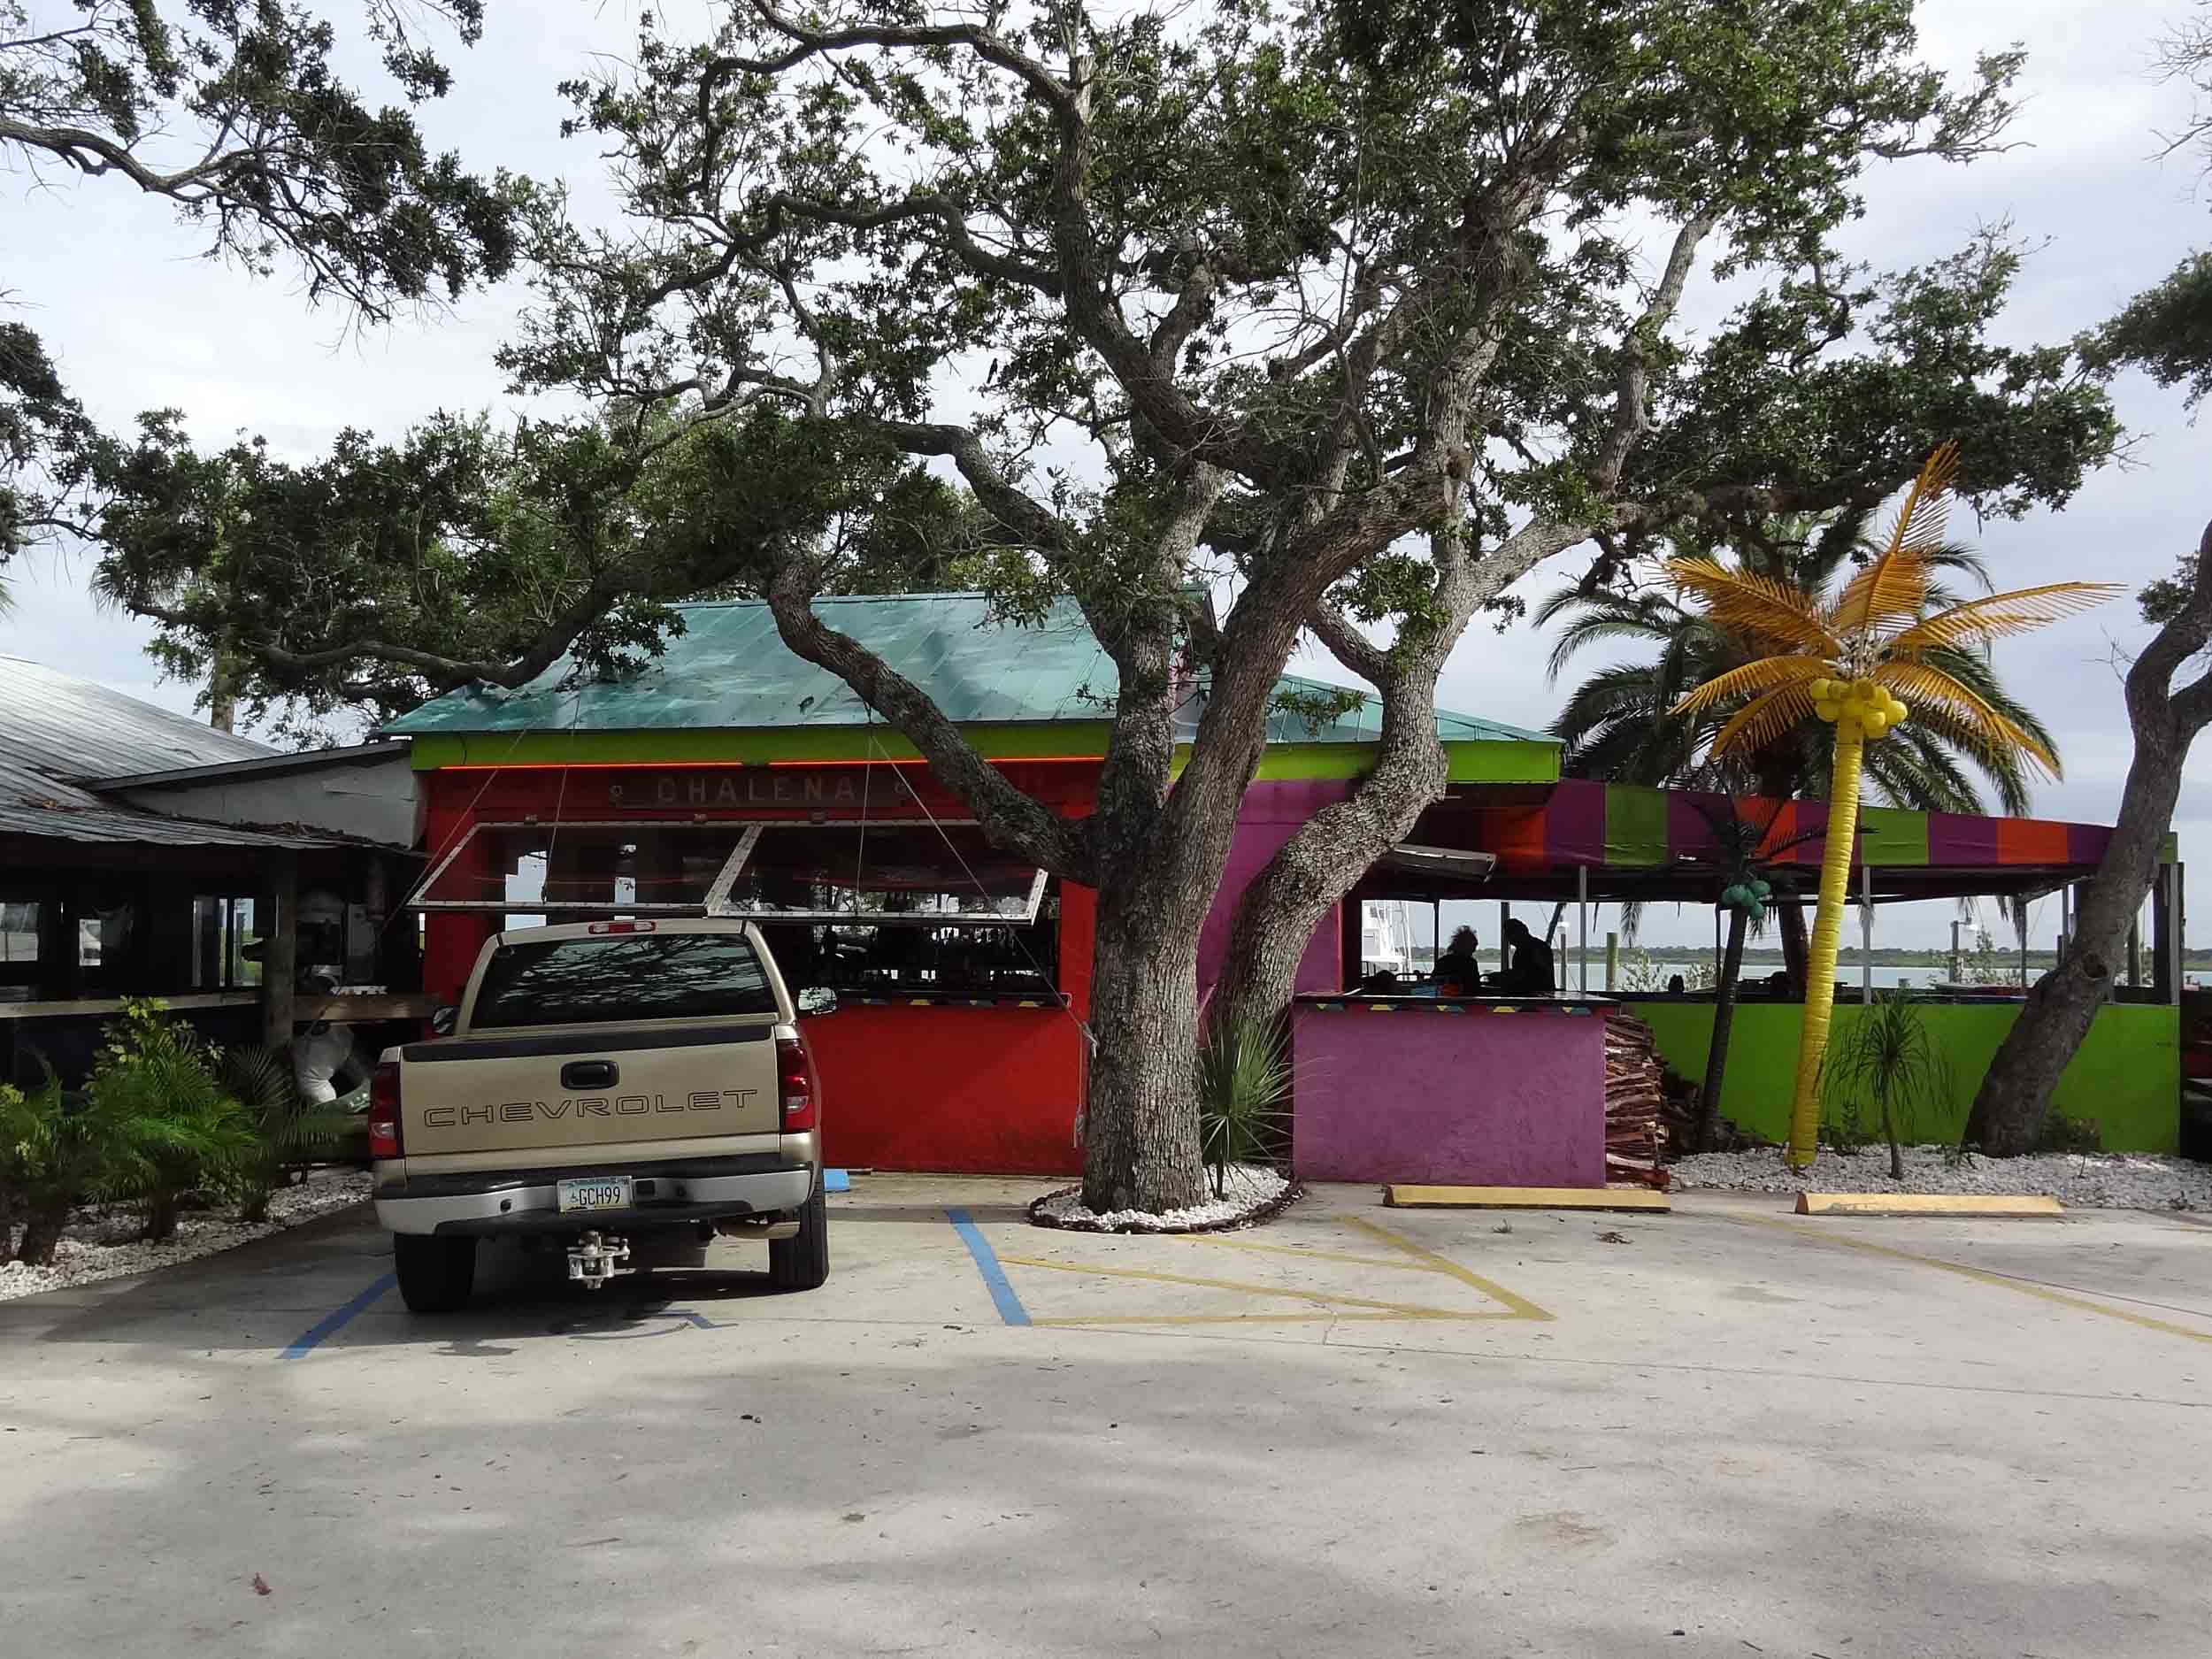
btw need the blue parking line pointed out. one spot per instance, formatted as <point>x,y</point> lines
<point>1009,1305</point>
<point>337,1319</point>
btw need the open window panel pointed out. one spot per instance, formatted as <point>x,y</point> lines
<point>572,872</point>
<point>900,909</point>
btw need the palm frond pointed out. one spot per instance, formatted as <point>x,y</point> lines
<point>1913,769</point>
<point>1922,686</point>
<point>1980,621</point>
<point>1761,605</point>
<point>1895,586</point>
<point>1764,719</point>
<point>1763,675</point>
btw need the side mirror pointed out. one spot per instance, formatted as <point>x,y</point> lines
<point>815,1001</point>
<point>441,1021</point>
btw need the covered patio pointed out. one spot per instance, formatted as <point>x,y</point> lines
<point>1561,849</point>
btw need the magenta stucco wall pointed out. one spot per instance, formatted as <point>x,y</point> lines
<point>1478,1099</point>
<point>1271,816</point>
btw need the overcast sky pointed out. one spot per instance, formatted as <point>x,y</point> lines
<point>139,320</point>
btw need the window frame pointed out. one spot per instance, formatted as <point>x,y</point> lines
<point>716,901</point>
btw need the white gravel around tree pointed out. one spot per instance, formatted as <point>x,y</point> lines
<point>1248,1190</point>
<point>101,1241</point>
<point>2094,1180</point>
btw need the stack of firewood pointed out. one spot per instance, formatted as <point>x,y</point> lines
<point>1634,1095</point>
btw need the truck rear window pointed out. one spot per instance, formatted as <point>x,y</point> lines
<point>638,976</point>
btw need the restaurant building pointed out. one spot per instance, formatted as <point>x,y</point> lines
<point>728,776</point>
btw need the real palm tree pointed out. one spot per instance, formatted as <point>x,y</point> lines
<point>1849,661</point>
<point>1618,724</point>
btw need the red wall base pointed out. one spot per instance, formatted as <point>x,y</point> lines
<point>958,1090</point>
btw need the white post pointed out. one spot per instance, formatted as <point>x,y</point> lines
<point>1582,919</point>
<point>1866,935</point>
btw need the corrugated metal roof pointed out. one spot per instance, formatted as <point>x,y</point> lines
<point>33,803</point>
<point>58,729</point>
<point>68,728</point>
<point>730,670</point>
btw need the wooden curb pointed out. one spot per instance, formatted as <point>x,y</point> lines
<point>2019,1205</point>
<point>1416,1197</point>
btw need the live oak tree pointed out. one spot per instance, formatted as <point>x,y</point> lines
<point>1338,309</point>
<point>2166,331</point>
<point>233,113</point>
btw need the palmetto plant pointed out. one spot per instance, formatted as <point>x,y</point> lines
<point>1244,1074</point>
<point>1853,662</point>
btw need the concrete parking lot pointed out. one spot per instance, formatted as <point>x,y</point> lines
<point>1356,1431</point>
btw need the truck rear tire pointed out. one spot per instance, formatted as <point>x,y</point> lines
<point>802,1261</point>
<point>435,1275</point>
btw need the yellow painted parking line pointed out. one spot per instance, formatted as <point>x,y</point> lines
<point>1506,1305</point>
<point>1444,1265</point>
<point>1274,1318</point>
<point>2042,1293</point>
<point>1219,1242</point>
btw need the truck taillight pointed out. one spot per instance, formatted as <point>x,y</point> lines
<point>384,1135</point>
<point>795,1083</point>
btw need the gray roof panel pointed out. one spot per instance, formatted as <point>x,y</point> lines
<point>66,726</point>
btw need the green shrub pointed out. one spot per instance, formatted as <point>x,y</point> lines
<point>1243,1076</point>
<point>57,1150</point>
<point>156,1070</point>
<point>2061,1134</point>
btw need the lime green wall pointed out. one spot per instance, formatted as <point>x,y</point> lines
<point>2126,1079</point>
<point>1473,760</point>
<point>677,743</point>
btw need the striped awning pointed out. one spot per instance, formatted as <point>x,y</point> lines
<point>1621,828</point>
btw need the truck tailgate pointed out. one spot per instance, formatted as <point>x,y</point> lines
<point>524,1091</point>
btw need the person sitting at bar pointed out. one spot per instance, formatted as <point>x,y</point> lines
<point>1457,972</point>
<point>1529,969</point>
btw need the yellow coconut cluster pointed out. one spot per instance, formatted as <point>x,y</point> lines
<point>1872,709</point>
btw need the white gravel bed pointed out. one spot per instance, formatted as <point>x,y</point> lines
<point>2094,1180</point>
<point>1249,1190</point>
<point>100,1243</point>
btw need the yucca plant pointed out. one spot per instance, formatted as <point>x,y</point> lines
<point>1885,1056</point>
<point>1851,662</point>
<point>1244,1075</point>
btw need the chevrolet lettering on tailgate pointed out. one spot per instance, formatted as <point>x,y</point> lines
<point>523,1111</point>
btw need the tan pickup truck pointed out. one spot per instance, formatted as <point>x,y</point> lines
<point>605,1080</point>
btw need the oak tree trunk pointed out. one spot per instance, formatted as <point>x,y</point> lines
<point>1140,1138</point>
<point>1315,869</point>
<point>2016,1092</point>
<point>1724,1023</point>
<point>222,691</point>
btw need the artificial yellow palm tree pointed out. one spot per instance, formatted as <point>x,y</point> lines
<point>1853,662</point>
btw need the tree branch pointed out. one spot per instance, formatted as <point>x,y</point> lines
<point>1630,420</point>
<point>1010,818</point>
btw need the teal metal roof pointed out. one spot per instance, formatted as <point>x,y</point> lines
<point>729,670</point>
<point>1363,725</point>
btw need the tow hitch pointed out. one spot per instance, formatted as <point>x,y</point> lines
<point>593,1261</point>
